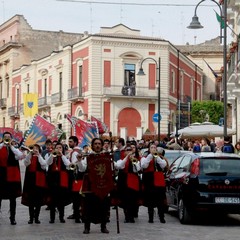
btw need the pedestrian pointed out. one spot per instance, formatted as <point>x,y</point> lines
<point>35,185</point>
<point>227,145</point>
<point>58,182</point>
<point>10,177</point>
<point>119,152</point>
<point>153,183</point>
<point>76,178</point>
<point>237,148</point>
<point>96,204</point>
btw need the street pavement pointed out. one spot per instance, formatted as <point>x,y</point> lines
<point>206,229</point>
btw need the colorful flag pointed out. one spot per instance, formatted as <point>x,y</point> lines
<point>39,131</point>
<point>30,104</point>
<point>102,127</point>
<point>220,20</point>
<point>16,135</point>
<point>84,131</point>
<point>213,72</point>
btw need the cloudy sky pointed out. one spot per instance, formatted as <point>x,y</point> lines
<point>158,18</point>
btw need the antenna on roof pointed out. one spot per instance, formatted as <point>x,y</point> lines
<point>91,20</point>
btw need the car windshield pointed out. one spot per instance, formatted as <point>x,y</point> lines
<point>220,167</point>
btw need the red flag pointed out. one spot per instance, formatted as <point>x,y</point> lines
<point>84,131</point>
<point>102,128</point>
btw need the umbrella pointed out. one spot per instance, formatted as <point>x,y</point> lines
<point>205,129</point>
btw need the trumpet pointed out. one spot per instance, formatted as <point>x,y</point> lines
<point>133,159</point>
<point>6,141</point>
<point>30,148</point>
<point>72,167</point>
<point>155,155</point>
<point>54,154</point>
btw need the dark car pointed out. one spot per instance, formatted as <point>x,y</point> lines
<point>203,181</point>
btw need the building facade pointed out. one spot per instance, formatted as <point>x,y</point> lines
<point>19,45</point>
<point>98,76</point>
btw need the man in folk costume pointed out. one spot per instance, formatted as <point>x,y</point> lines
<point>35,185</point>
<point>10,177</point>
<point>97,184</point>
<point>58,182</point>
<point>128,184</point>
<point>153,183</point>
<point>76,178</point>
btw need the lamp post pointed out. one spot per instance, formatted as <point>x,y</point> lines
<point>195,24</point>
<point>141,73</point>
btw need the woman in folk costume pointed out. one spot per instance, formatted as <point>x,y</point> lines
<point>153,183</point>
<point>10,176</point>
<point>128,183</point>
<point>35,185</point>
<point>58,182</point>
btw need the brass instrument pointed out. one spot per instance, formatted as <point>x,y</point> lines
<point>54,154</point>
<point>155,155</point>
<point>7,141</point>
<point>133,159</point>
<point>30,148</point>
<point>72,167</point>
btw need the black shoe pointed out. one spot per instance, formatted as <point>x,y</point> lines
<point>86,231</point>
<point>126,221</point>
<point>77,220</point>
<point>71,217</point>
<point>37,221</point>
<point>30,221</point>
<point>51,221</point>
<point>104,230</point>
<point>13,222</point>
<point>162,220</point>
<point>62,220</point>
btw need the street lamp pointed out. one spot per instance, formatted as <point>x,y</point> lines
<point>195,24</point>
<point>141,73</point>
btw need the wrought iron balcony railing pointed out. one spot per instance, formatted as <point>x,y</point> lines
<point>57,98</point>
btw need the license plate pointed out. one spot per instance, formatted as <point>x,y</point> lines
<point>231,200</point>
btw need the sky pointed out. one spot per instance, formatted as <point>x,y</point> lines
<point>167,19</point>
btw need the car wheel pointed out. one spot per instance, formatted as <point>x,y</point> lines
<point>183,213</point>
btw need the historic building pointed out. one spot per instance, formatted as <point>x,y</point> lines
<point>98,76</point>
<point>19,45</point>
<point>233,58</point>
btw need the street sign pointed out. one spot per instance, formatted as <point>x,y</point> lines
<point>156,117</point>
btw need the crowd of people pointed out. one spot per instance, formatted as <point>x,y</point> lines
<point>92,178</point>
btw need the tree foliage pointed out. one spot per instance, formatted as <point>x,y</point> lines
<point>210,111</point>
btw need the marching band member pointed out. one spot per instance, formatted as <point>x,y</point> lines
<point>128,183</point>
<point>76,178</point>
<point>10,177</point>
<point>58,182</point>
<point>153,183</point>
<point>34,188</point>
<point>95,208</point>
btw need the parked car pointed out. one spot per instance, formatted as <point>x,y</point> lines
<point>203,181</point>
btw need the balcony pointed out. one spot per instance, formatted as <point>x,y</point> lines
<point>3,103</point>
<point>76,94</point>
<point>44,102</point>
<point>57,98</point>
<point>119,91</point>
<point>14,112</point>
